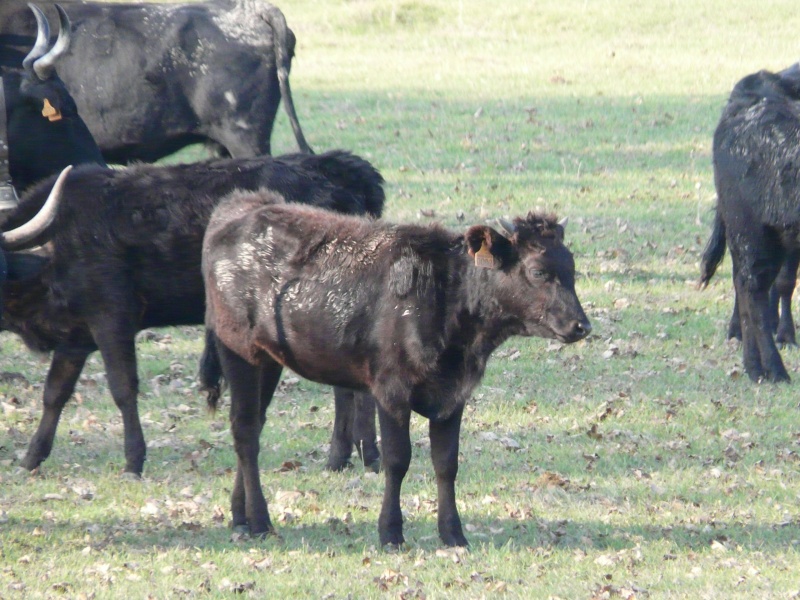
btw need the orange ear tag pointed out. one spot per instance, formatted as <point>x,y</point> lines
<point>484,258</point>
<point>50,112</point>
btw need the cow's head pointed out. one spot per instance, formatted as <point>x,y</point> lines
<point>535,283</point>
<point>45,132</point>
<point>765,85</point>
<point>12,263</point>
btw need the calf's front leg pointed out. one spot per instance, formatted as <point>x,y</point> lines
<point>65,368</point>
<point>396,454</point>
<point>444,436</point>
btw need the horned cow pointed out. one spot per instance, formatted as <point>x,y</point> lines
<point>123,254</point>
<point>151,78</point>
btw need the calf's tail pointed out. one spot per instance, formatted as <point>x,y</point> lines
<point>211,377</point>
<point>713,253</point>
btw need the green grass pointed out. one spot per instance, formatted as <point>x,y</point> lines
<point>640,463</point>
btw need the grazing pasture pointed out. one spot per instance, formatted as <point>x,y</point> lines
<point>639,463</point>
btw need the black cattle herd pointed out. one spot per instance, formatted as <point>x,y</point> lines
<point>286,260</point>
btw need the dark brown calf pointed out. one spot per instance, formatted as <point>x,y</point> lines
<point>409,313</point>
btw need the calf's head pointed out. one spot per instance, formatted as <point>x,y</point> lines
<point>535,283</point>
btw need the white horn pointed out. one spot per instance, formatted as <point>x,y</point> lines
<point>44,66</point>
<point>14,239</point>
<point>42,38</point>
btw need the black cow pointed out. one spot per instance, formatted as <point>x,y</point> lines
<point>756,154</point>
<point>151,78</point>
<point>124,255</point>
<point>45,131</point>
<point>410,313</point>
<point>781,322</point>
<point>41,132</point>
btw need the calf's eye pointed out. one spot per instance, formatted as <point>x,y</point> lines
<point>537,275</point>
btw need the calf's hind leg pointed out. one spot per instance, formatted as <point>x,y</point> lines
<point>251,390</point>
<point>65,368</point>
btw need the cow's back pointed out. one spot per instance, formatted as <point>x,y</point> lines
<point>756,153</point>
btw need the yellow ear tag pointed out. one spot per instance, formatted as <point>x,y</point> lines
<point>484,258</point>
<point>50,112</point>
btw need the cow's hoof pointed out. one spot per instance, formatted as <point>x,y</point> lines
<point>338,464</point>
<point>455,541</point>
<point>734,334</point>
<point>269,533</point>
<point>392,548</point>
<point>373,465</point>
<point>130,476</point>
<point>779,378</point>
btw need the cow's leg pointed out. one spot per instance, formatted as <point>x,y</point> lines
<point>65,369</point>
<point>754,274</point>
<point>444,436</point>
<point>116,341</point>
<point>251,391</point>
<point>396,454</point>
<point>353,425</point>
<point>784,289</point>
<point>342,437</point>
<point>364,435</point>
<point>735,325</point>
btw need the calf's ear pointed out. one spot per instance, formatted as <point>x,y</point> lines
<point>490,249</point>
<point>561,226</point>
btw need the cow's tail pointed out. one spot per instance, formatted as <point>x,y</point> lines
<point>283,62</point>
<point>356,175</point>
<point>713,253</point>
<point>211,377</point>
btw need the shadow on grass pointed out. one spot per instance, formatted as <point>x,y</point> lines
<point>354,537</point>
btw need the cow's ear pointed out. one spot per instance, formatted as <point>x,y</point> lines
<point>490,249</point>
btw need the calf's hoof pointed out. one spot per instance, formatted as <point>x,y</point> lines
<point>244,530</point>
<point>391,540</point>
<point>30,462</point>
